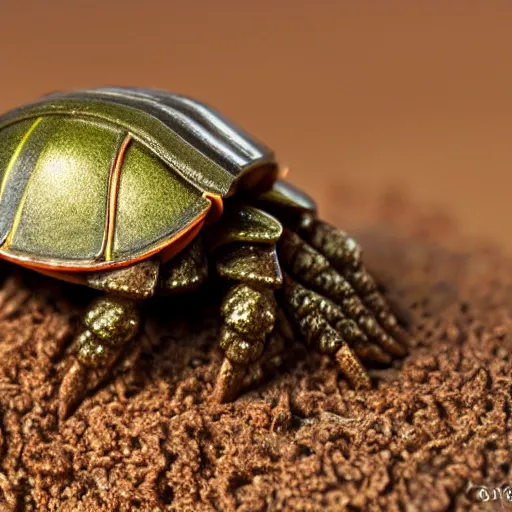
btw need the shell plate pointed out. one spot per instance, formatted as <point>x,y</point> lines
<point>101,178</point>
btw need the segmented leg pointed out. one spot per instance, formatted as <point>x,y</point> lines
<point>314,271</point>
<point>327,292</point>
<point>108,325</point>
<point>345,255</point>
<point>249,315</point>
<point>337,305</point>
<point>305,308</point>
<point>349,330</point>
<point>245,254</point>
<point>234,378</point>
<point>337,246</point>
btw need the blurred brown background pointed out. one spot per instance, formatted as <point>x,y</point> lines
<point>412,96</point>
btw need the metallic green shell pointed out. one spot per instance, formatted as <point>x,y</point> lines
<point>59,158</point>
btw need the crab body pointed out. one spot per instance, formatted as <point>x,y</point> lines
<point>102,178</point>
<point>137,191</point>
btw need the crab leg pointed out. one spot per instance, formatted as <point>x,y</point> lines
<point>234,377</point>
<point>303,306</point>
<point>362,346</point>
<point>314,271</point>
<point>249,311</point>
<point>345,255</point>
<point>337,246</point>
<point>109,324</point>
<point>113,320</point>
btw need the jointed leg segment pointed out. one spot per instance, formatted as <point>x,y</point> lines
<point>345,255</point>
<point>248,338</point>
<point>305,307</point>
<point>315,271</point>
<point>109,323</point>
<point>328,293</point>
<point>249,311</point>
<point>249,316</point>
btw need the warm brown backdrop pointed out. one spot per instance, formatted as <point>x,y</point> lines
<point>408,95</point>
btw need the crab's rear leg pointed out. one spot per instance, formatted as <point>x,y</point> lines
<point>108,325</point>
<point>314,270</point>
<point>305,307</point>
<point>345,255</point>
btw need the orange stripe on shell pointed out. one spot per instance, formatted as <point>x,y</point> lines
<point>113,191</point>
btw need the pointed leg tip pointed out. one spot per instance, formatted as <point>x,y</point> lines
<point>229,382</point>
<point>353,369</point>
<point>364,384</point>
<point>403,342</point>
<point>72,389</point>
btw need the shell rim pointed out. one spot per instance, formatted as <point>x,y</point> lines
<point>92,266</point>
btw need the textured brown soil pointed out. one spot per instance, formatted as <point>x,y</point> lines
<point>149,440</point>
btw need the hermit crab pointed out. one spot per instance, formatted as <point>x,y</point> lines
<point>137,192</point>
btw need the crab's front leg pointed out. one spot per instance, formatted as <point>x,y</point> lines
<point>242,247</point>
<point>328,293</point>
<point>113,320</point>
<point>251,333</point>
<point>109,323</point>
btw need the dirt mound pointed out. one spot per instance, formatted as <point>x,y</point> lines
<point>435,424</point>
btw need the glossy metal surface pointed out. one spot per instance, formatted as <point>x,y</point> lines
<point>99,178</point>
<point>287,197</point>
<point>200,125</point>
<point>61,214</point>
<point>14,175</point>
<point>192,138</point>
<point>153,203</point>
<point>244,224</point>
